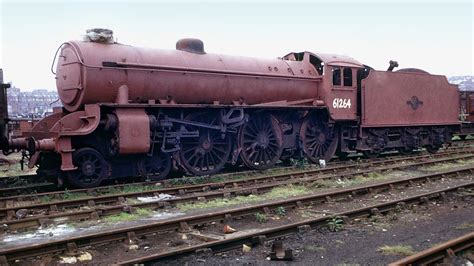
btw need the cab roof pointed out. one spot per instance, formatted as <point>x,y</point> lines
<point>328,59</point>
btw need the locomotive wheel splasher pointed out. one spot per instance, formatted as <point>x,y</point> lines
<point>261,142</point>
<point>208,153</point>
<point>319,138</point>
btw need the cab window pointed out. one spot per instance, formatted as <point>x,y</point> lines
<point>347,77</point>
<point>336,76</point>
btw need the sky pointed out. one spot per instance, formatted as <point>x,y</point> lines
<point>436,36</point>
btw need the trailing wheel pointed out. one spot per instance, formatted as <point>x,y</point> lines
<point>91,168</point>
<point>260,141</point>
<point>319,138</point>
<point>208,153</point>
<point>156,167</point>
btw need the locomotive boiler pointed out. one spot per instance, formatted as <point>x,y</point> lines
<point>133,111</point>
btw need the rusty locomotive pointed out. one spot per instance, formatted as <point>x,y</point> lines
<point>132,111</point>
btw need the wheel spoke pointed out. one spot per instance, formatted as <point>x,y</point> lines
<point>211,151</point>
<point>260,142</point>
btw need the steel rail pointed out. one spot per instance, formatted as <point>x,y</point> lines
<point>439,252</point>
<point>261,236</point>
<point>99,211</point>
<point>17,192</point>
<point>7,201</point>
<point>184,222</point>
<point>8,213</point>
<point>7,191</point>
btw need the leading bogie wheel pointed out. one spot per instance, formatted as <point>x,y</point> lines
<point>91,169</point>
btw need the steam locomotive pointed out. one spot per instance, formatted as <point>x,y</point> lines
<point>132,111</point>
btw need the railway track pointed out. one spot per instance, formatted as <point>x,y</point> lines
<point>261,236</point>
<point>132,233</point>
<point>28,184</point>
<point>440,254</point>
<point>55,195</point>
<point>72,210</point>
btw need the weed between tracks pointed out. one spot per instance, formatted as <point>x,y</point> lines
<point>465,226</point>
<point>403,250</point>
<point>196,180</point>
<point>446,166</point>
<point>121,217</point>
<point>172,182</point>
<point>276,193</point>
<point>110,191</point>
<point>356,180</point>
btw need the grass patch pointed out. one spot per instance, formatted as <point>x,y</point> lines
<point>110,191</point>
<point>280,211</point>
<point>261,218</point>
<point>335,224</point>
<point>132,188</point>
<point>275,193</point>
<point>65,196</point>
<point>403,250</point>
<point>356,180</point>
<point>465,226</point>
<point>447,166</point>
<point>297,165</point>
<point>125,216</point>
<point>14,169</point>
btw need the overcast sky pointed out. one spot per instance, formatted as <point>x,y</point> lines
<point>436,36</point>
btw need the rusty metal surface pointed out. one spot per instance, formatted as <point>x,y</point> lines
<point>134,131</point>
<point>404,99</point>
<point>181,76</point>
<point>467,106</point>
<point>438,252</point>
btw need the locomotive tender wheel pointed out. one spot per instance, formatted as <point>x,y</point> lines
<point>208,153</point>
<point>156,167</point>
<point>91,168</point>
<point>319,140</point>
<point>260,140</point>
